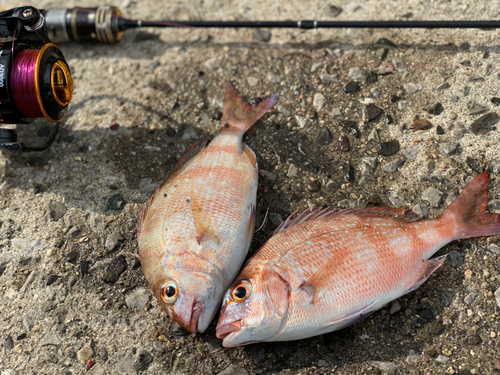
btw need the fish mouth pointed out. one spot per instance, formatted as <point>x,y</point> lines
<point>225,330</point>
<point>195,315</point>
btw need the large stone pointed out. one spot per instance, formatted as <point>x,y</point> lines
<point>138,299</point>
<point>433,196</point>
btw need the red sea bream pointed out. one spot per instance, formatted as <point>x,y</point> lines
<point>195,232</point>
<point>328,269</point>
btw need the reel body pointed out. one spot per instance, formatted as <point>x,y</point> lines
<point>35,80</point>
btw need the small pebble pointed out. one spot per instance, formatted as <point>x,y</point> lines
<point>420,124</point>
<point>393,165</point>
<point>329,78</point>
<point>371,77</point>
<point>189,134</point>
<point>293,171</point>
<point>57,210</point>
<point>443,86</point>
<point>476,108</point>
<point>439,130</point>
<point>412,357</point>
<point>421,209</point>
<point>442,359</point>
<point>8,342</point>
<point>373,136</point>
<point>495,101</point>
<point>402,105</point>
<point>314,186</point>
<point>473,340</point>
<point>324,137</point>
<point>395,307</point>
<point>50,339</point>
<point>355,73</point>
<point>144,359</point>
<point>470,298</point>
<point>386,42</point>
<point>115,269</point>
<point>435,109</point>
<point>262,35</point>
<point>374,113</point>
<point>412,88</point>
<point>352,88</point>
<point>456,258</point>
<point>497,296</point>
<point>343,144</point>
<point>113,239</point>
<point>449,148</point>
<point>389,148</point>
<point>319,101</point>
<point>350,175</point>
<point>85,353</point>
<point>411,153</point>
<point>389,367</point>
<point>426,314</point>
<point>125,362</point>
<point>484,124</point>
<point>115,203</point>
<point>376,92</point>
<point>301,121</point>
<point>337,114</point>
<point>351,128</point>
<point>147,185</point>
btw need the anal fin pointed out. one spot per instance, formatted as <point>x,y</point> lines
<point>353,317</point>
<point>428,269</point>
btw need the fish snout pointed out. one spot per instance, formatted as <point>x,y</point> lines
<point>190,322</point>
<point>224,330</point>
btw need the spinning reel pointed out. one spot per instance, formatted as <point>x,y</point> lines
<point>35,80</point>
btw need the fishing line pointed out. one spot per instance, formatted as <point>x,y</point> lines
<point>24,77</point>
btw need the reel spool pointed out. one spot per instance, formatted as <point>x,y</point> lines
<point>40,84</point>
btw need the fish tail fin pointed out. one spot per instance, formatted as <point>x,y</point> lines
<point>238,115</point>
<point>468,211</point>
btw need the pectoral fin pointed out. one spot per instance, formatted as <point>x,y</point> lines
<point>203,222</point>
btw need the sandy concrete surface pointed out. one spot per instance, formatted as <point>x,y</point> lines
<point>384,117</point>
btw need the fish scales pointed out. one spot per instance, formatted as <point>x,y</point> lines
<point>325,270</point>
<point>194,233</point>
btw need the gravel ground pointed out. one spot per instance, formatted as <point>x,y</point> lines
<point>392,117</point>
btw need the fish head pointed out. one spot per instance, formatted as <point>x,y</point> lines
<point>190,297</point>
<point>254,308</point>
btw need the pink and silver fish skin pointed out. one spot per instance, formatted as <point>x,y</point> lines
<point>195,232</point>
<point>328,269</point>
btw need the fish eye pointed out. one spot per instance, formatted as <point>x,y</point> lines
<point>241,291</point>
<point>169,292</point>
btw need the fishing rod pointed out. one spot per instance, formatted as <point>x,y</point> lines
<point>106,24</point>
<point>35,79</point>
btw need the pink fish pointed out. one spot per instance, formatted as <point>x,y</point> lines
<point>327,269</point>
<point>195,231</point>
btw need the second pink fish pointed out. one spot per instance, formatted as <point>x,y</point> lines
<point>325,270</point>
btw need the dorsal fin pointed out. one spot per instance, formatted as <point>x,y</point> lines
<point>305,216</point>
<point>403,213</point>
<point>190,153</point>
